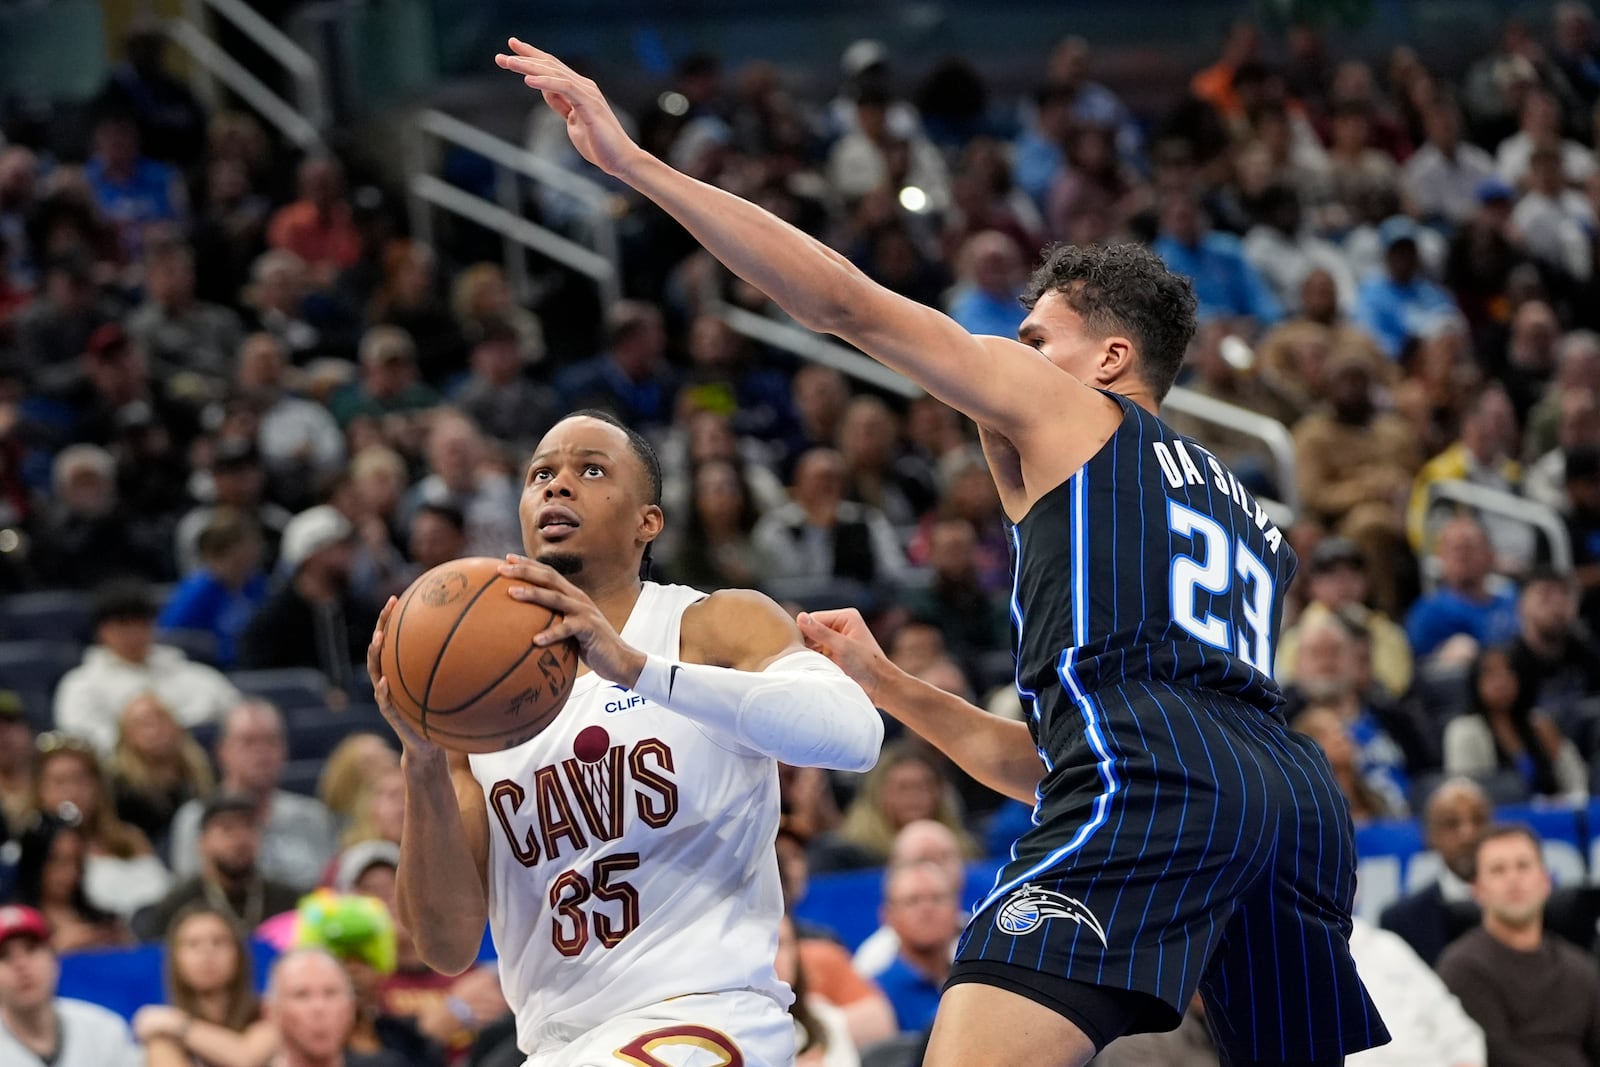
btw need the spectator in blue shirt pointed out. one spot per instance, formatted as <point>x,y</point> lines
<point>221,596</point>
<point>1039,152</point>
<point>920,904</point>
<point>133,192</point>
<point>631,380</point>
<point>987,301</point>
<point>1400,304</point>
<point>1225,283</point>
<point>1462,614</point>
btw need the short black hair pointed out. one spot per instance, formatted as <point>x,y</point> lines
<point>1507,829</point>
<point>452,516</point>
<point>122,598</point>
<point>1124,288</point>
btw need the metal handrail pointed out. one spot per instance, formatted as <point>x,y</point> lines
<point>1519,509</point>
<point>816,348</point>
<point>1274,435</point>
<point>310,95</point>
<point>207,54</point>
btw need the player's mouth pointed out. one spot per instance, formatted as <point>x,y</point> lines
<point>556,523</point>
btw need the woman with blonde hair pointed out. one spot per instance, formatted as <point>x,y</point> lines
<point>906,785</point>
<point>378,810</point>
<point>351,768</point>
<point>155,768</point>
<point>482,295</point>
<point>123,873</point>
<point>212,1018</point>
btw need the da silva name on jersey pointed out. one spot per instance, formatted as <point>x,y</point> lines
<point>1181,470</point>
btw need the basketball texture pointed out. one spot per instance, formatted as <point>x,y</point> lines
<point>461,663</point>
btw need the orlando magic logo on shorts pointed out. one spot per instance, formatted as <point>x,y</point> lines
<point>1026,909</point>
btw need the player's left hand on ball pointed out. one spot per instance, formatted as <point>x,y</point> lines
<point>599,644</point>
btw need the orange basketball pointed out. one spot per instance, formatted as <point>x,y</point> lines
<point>461,663</point>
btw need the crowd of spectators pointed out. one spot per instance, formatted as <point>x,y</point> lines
<point>240,406</point>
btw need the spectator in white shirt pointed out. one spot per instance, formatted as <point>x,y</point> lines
<point>38,1028</point>
<point>299,440</point>
<point>1287,253</point>
<point>1541,121</point>
<point>1555,221</point>
<point>1427,1025</point>
<point>1441,178</point>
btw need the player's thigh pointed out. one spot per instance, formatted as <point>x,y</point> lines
<point>984,1024</point>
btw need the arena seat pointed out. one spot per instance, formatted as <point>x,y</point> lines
<point>33,668</point>
<point>55,615</point>
<point>314,731</point>
<point>287,687</point>
<point>198,645</point>
<point>300,776</point>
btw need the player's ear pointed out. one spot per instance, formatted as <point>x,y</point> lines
<point>651,522</point>
<point>1116,361</point>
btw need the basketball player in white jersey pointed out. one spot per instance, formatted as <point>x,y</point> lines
<point>624,857</point>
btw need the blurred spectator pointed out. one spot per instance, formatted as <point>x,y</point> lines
<point>155,768</point>
<point>68,309</point>
<point>1442,178</point>
<point>299,440</point>
<point>230,231</point>
<point>1556,659</point>
<point>1432,917</point>
<point>1503,731</point>
<point>1298,355</point>
<point>481,297</point>
<point>822,1031</point>
<point>1329,730</point>
<point>122,873</point>
<point>461,476</point>
<point>923,841</point>
<point>359,933</point>
<point>388,386</point>
<point>989,285</point>
<point>1536,997</point>
<point>177,331</point>
<point>51,861</point>
<point>1575,49</point>
<point>16,761</point>
<point>631,379</point>
<point>1400,304</point>
<point>297,833</point>
<point>1039,151</point>
<point>229,877</point>
<point>1095,196</point>
<point>309,1000</point>
<point>1583,528</point>
<point>904,787</point>
<point>921,906</point>
<point>1093,104</point>
<point>1442,378</point>
<point>276,302</point>
<point>1554,222</point>
<point>1427,1025</point>
<point>1529,359</point>
<point>350,771</point>
<point>1286,252</point>
<point>85,536</point>
<point>38,1028</point>
<point>438,535</point>
<point>379,813</point>
<point>716,550</point>
<point>237,482</point>
<point>410,298</point>
<point>171,123</point>
<point>212,1017</point>
<point>973,620</point>
<point>820,398</point>
<point>705,437</point>
<point>1225,282</point>
<point>498,395</point>
<point>1337,577</point>
<point>1578,427</point>
<point>725,379</point>
<point>1539,123</point>
<point>1355,167</point>
<point>1214,84</point>
<point>1577,369</point>
<point>878,471</point>
<point>317,227</point>
<point>134,192</point>
<point>223,593</point>
<point>1482,455</point>
<point>1354,465</point>
<point>124,662</point>
<point>312,619</point>
<point>1463,605</point>
<point>820,535</point>
<point>875,155</point>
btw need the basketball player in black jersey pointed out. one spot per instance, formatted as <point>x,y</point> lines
<point>1184,837</point>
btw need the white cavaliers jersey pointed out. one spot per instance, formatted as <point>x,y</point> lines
<point>630,853</point>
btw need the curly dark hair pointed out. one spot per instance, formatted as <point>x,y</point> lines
<point>1123,289</point>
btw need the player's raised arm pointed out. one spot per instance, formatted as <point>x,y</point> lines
<point>997,752</point>
<point>999,382</point>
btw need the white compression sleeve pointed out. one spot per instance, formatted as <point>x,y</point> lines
<point>801,710</point>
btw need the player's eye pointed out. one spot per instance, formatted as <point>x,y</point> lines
<point>539,475</point>
<point>594,468</point>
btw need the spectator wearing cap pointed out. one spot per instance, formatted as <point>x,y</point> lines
<point>1399,304</point>
<point>1441,179</point>
<point>224,592</point>
<point>631,379</point>
<point>462,476</point>
<point>111,376</point>
<point>125,661</point>
<point>54,329</point>
<point>312,619</point>
<point>39,1028</point>
<point>238,480</point>
<point>1338,579</point>
<point>229,878</point>
<point>297,834</point>
<point>318,226</point>
<point>1583,527</point>
<point>1226,284</point>
<point>179,332</point>
<point>1555,222</point>
<point>1463,613</point>
<point>16,761</point>
<point>498,395</point>
<point>388,386</point>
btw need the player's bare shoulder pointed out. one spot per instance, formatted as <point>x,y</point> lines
<point>737,628</point>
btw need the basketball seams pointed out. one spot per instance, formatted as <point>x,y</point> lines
<point>392,646</point>
<point>444,646</point>
<point>492,686</point>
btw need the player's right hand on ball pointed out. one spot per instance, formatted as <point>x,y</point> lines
<point>844,637</point>
<point>410,740</point>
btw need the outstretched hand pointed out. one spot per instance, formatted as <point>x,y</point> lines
<point>591,124</point>
<point>844,637</point>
